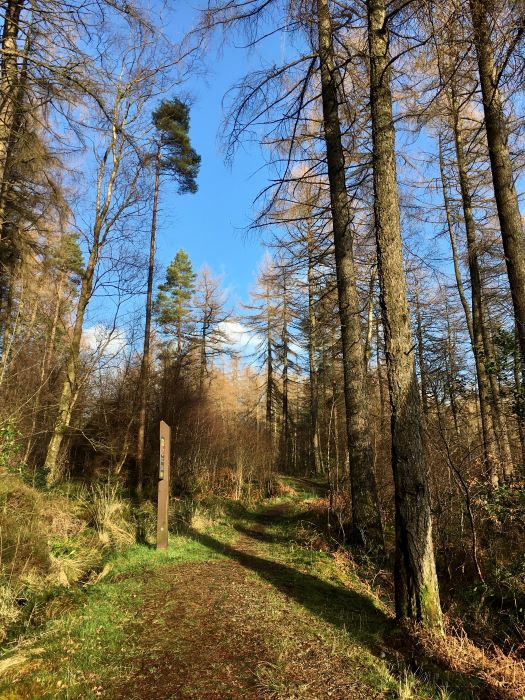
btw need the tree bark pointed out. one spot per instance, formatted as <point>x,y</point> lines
<point>285,347</point>
<point>382,401</point>
<point>12,86</point>
<point>511,225</point>
<point>416,585</point>
<point>452,373</point>
<point>269,363</point>
<point>489,413</point>
<point>366,518</point>
<point>422,363</point>
<point>315,446</point>
<point>9,89</point>
<point>146,355</point>
<point>370,319</point>
<point>506,470</point>
<point>517,367</point>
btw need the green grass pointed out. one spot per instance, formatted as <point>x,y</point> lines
<point>89,639</point>
<point>336,605</point>
<point>309,602</point>
<point>347,623</point>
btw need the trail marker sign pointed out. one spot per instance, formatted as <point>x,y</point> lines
<point>164,485</point>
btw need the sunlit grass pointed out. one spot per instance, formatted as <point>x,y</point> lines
<point>93,639</point>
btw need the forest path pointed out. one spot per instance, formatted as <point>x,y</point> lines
<point>247,604</point>
<point>252,626</point>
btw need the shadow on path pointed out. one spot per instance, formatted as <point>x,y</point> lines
<point>341,607</point>
<point>261,535</point>
<point>349,611</point>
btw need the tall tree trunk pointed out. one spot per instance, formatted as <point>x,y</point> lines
<point>452,372</point>
<point>285,346</point>
<point>370,319</point>
<point>382,401</point>
<point>9,78</point>
<point>422,363</point>
<point>146,358</point>
<point>69,387</point>
<point>506,462</point>
<point>315,446</point>
<point>10,321</point>
<point>453,245</point>
<point>486,398</point>
<point>46,363</point>
<point>11,89</point>
<point>511,225</point>
<point>366,518</point>
<point>69,391</point>
<point>334,417</point>
<point>481,373</point>
<point>204,361</point>
<point>519,402</point>
<point>269,364</point>
<point>416,585</point>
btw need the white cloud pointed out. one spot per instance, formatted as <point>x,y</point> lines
<point>239,336</point>
<point>109,342</point>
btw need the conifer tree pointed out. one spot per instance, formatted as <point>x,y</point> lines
<point>176,157</point>
<point>172,304</point>
<point>179,160</point>
<point>417,593</point>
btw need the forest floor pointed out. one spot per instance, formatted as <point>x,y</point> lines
<point>237,608</point>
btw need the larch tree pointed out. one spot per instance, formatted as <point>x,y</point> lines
<point>366,519</point>
<point>456,83</point>
<point>264,321</point>
<point>416,584</point>
<point>503,176</point>
<point>210,313</point>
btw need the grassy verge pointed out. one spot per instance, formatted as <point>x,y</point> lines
<point>89,634</point>
<point>335,612</point>
<point>348,612</point>
<point>320,621</point>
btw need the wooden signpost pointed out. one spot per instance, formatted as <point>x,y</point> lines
<point>164,486</point>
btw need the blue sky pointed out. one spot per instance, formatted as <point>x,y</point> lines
<point>211,224</point>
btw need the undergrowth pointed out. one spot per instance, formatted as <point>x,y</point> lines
<point>75,596</point>
<point>56,539</point>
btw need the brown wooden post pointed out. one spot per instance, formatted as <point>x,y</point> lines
<point>164,486</point>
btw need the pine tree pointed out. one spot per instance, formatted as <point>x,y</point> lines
<point>172,305</point>
<point>176,157</point>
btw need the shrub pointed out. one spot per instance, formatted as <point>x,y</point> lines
<point>51,540</point>
<point>145,517</point>
<point>10,449</point>
<point>23,539</point>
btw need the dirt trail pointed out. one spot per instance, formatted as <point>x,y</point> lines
<point>265,617</point>
<point>231,629</point>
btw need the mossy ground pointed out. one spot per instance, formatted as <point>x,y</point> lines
<point>237,607</point>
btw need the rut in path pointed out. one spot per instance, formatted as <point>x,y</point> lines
<point>242,627</point>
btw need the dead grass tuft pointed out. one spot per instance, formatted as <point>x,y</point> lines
<point>503,674</point>
<point>110,515</point>
<point>50,540</point>
<point>201,520</point>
